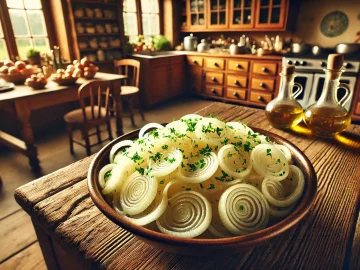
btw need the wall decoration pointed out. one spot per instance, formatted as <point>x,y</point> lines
<point>334,24</point>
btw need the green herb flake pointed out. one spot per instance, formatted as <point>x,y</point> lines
<point>161,182</point>
<point>212,186</point>
<point>278,161</point>
<point>267,138</point>
<point>108,174</point>
<point>156,157</point>
<point>165,146</point>
<point>247,146</point>
<point>140,170</point>
<point>223,176</point>
<point>136,157</point>
<point>268,152</point>
<point>241,207</point>
<point>218,131</point>
<point>193,167</point>
<point>201,185</point>
<point>188,189</point>
<point>206,150</point>
<point>182,165</point>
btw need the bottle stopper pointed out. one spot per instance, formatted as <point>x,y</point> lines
<point>288,69</point>
<point>335,61</point>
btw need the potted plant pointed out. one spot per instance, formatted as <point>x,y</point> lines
<point>33,57</point>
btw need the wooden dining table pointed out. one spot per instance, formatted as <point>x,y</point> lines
<point>22,100</point>
<point>74,234</point>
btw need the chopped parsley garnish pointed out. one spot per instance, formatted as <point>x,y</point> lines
<point>237,144</point>
<point>136,157</point>
<point>154,133</point>
<point>241,207</point>
<point>229,155</point>
<point>268,152</point>
<point>218,131</point>
<point>170,160</point>
<point>157,157</point>
<point>211,116</point>
<point>201,163</point>
<point>140,170</point>
<point>267,138</point>
<point>244,162</point>
<point>193,167</point>
<point>231,127</point>
<point>216,147</point>
<point>208,129</point>
<point>225,141</point>
<point>188,189</point>
<point>182,164</point>
<point>165,146</point>
<point>161,182</point>
<point>108,174</point>
<point>212,186</point>
<point>206,150</point>
<point>222,178</point>
<point>278,161</point>
<point>247,146</point>
<point>201,185</point>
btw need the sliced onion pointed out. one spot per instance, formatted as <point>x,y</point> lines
<point>297,177</point>
<point>192,116</point>
<point>107,168</point>
<point>148,126</point>
<point>199,174</point>
<point>270,162</point>
<point>239,130</point>
<point>169,162</point>
<point>117,147</point>
<point>234,161</point>
<point>243,209</point>
<point>211,130</point>
<point>137,193</point>
<point>188,215</point>
<point>279,212</point>
<point>285,151</point>
<point>119,173</point>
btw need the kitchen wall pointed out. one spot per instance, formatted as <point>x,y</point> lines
<point>311,14</point>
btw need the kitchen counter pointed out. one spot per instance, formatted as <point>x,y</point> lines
<point>154,55</point>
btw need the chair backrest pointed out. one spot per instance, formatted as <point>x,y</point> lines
<point>130,68</point>
<point>96,94</point>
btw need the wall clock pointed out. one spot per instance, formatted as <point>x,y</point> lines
<point>334,24</point>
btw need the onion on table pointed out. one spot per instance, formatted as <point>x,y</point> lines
<point>200,174</point>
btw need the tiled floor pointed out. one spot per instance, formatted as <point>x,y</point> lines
<point>19,246</point>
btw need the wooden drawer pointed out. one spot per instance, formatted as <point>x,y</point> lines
<point>236,81</point>
<point>214,90</point>
<point>195,60</point>
<point>357,108</point>
<point>214,77</point>
<point>264,68</point>
<point>235,65</point>
<point>235,93</point>
<point>259,97</point>
<point>215,63</point>
<point>263,84</point>
<point>160,62</point>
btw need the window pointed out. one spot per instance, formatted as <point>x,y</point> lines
<point>146,12</point>
<point>27,29</point>
<point>3,50</point>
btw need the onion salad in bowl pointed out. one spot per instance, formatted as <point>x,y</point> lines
<point>200,174</point>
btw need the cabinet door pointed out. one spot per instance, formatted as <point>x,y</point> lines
<point>271,13</point>
<point>159,85</point>
<point>242,14</point>
<point>183,6</point>
<point>218,14</point>
<point>197,14</point>
<point>176,79</point>
<point>195,79</point>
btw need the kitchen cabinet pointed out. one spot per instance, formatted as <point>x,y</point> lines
<point>235,15</point>
<point>161,78</point>
<point>270,13</point>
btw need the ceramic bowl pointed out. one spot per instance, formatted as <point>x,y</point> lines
<point>197,246</point>
<point>15,78</point>
<point>69,81</point>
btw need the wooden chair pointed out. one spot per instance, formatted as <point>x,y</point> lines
<point>94,103</point>
<point>130,88</point>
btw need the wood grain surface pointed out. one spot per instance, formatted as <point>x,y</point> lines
<point>327,238</point>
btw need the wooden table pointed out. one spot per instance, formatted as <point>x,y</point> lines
<point>72,231</point>
<point>23,100</point>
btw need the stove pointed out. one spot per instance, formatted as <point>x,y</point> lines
<point>310,74</point>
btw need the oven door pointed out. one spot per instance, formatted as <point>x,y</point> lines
<point>317,88</point>
<point>306,81</point>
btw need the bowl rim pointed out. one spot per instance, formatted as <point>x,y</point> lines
<point>239,241</point>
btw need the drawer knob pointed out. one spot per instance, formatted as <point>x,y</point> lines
<point>213,90</point>
<point>213,79</point>
<point>236,82</point>
<point>259,98</point>
<point>262,84</point>
<point>264,69</point>
<point>216,64</point>
<point>194,61</point>
<point>238,65</point>
<point>235,94</point>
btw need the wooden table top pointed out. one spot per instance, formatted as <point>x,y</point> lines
<point>327,238</point>
<point>22,91</point>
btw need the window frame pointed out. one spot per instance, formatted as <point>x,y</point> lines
<point>9,35</point>
<point>139,14</point>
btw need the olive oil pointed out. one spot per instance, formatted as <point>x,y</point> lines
<point>326,121</point>
<point>284,111</point>
<point>285,116</point>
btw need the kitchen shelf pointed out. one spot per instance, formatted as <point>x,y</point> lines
<point>99,48</point>
<point>95,19</point>
<point>93,3</point>
<point>98,34</point>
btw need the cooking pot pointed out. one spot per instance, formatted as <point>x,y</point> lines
<point>348,48</point>
<point>300,47</point>
<point>190,43</point>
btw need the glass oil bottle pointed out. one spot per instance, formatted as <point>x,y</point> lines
<point>327,116</point>
<point>285,111</point>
